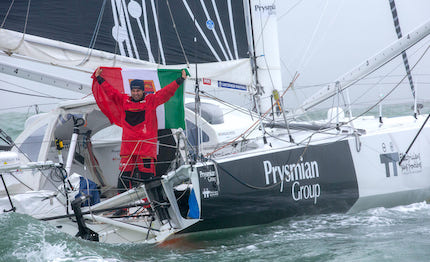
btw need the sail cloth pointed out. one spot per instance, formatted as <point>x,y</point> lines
<point>143,30</point>
<point>169,115</point>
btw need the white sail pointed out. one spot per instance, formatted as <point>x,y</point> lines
<point>265,48</point>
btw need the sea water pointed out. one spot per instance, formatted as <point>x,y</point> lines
<point>396,234</point>
<point>382,234</point>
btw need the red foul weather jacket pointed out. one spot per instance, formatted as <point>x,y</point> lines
<point>139,120</point>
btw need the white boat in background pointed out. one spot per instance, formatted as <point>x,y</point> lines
<point>233,165</point>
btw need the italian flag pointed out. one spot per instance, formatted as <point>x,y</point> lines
<point>169,115</point>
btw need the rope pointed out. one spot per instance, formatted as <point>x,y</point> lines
<point>28,89</point>
<point>391,91</point>
<point>413,141</point>
<point>21,93</point>
<point>242,182</point>
<point>26,18</point>
<point>379,101</point>
<point>7,13</point>
<point>177,34</point>
<point>10,173</point>
<point>25,27</point>
<point>95,34</point>
<point>255,123</point>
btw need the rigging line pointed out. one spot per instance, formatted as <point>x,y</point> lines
<point>144,35</point>
<point>95,34</point>
<point>291,9</point>
<point>28,89</point>
<point>355,81</point>
<point>399,35</point>
<point>25,28</point>
<point>7,13</point>
<point>233,33</point>
<point>413,141</point>
<point>264,51</point>
<point>391,91</point>
<point>145,21</point>
<point>117,9</point>
<point>26,18</point>
<point>213,30</point>
<point>157,30</point>
<point>16,107</point>
<point>21,93</point>
<point>177,34</point>
<point>233,107</point>
<point>318,45</point>
<point>144,140</point>
<point>222,29</point>
<point>115,36</point>
<point>49,63</point>
<point>197,25</point>
<point>130,32</point>
<point>126,164</point>
<point>253,126</point>
<point>382,78</point>
<point>242,182</point>
<point>313,35</point>
<point>17,179</point>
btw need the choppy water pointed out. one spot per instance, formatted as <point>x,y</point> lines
<point>396,234</point>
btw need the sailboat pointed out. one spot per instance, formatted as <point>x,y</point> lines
<point>234,165</point>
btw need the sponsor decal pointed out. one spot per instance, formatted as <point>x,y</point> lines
<point>208,181</point>
<point>149,86</point>
<point>231,85</point>
<point>411,163</point>
<point>207,81</point>
<point>270,9</point>
<point>299,175</point>
<point>210,24</point>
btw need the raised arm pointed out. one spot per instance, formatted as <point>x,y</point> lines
<point>111,92</point>
<point>163,95</point>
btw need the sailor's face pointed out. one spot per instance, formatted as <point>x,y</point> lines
<point>136,94</point>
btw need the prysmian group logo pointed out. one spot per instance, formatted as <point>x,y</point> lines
<point>270,9</point>
<point>295,173</point>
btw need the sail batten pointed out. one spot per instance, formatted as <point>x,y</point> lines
<point>138,29</point>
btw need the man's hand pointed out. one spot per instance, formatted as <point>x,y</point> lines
<point>98,72</point>
<point>184,74</point>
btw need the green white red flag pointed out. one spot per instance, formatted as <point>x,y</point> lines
<point>169,115</point>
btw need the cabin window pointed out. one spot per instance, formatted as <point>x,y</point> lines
<point>33,143</point>
<point>211,113</point>
<point>192,136</point>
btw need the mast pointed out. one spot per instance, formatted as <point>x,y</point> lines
<point>253,57</point>
<point>263,47</point>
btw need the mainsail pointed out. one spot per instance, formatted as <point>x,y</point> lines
<point>144,30</point>
<point>217,39</point>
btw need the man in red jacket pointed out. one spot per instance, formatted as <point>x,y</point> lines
<point>139,124</point>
